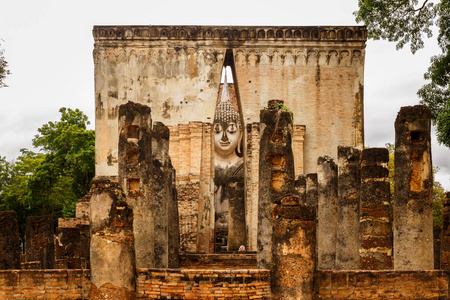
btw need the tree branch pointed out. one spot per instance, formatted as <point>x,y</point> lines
<point>420,8</point>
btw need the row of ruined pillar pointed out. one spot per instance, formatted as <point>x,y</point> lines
<point>339,218</point>
<point>342,218</point>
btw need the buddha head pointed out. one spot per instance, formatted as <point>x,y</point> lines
<point>227,127</point>
<point>227,130</point>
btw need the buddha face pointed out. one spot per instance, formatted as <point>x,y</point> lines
<point>226,137</point>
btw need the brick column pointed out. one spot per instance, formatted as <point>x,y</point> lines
<point>135,177</point>
<point>9,241</point>
<point>276,174</point>
<point>375,211</point>
<point>205,224</point>
<point>294,249</point>
<point>326,214</point>
<point>237,235</point>
<point>311,190</point>
<point>300,187</point>
<point>252,164</point>
<point>413,212</point>
<point>112,255</point>
<point>349,183</point>
<point>298,139</point>
<point>39,244</point>
<point>165,206</point>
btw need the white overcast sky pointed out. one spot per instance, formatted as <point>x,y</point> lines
<point>49,44</point>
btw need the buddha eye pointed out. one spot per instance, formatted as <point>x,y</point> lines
<point>217,128</point>
<point>232,128</point>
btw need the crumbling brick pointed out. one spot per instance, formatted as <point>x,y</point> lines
<point>9,241</point>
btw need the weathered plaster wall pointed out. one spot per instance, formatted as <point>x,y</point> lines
<point>317,71</point>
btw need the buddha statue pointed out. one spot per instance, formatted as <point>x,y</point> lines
<point>228,161</point>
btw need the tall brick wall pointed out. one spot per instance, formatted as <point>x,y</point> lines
<point>418,285</point>
<point>203,284</point>
<point>241,284</point>
<point>45,284</point>
<point>191,150</point>
<point>317,70</point>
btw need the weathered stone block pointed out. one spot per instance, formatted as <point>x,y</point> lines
<point>135,176</point>
<point>294,251</point>
<point>237,235</point>
<point>39,245</point>
<point>349,193</point>
<point>413,213</point>
<point>9,241</point>
<point>375,211</point>
<point>113,264</point>
<point>311,190</point>
<point>327,174</point>
<point>276,173</point>
<point>165,206</point>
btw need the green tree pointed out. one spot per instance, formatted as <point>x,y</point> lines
<point>4,71</point>
<point>68,166</point>
<point>408,21</point>
<point>52,181</point>
<point>14,191</point>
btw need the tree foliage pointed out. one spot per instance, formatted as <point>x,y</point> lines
<point>52,181</point>
<point>408,21</point>
<point>69,149</point>
<point>4,71</point>
<point>14,191</point>
<point>436,94</point>
<point>402,21</point>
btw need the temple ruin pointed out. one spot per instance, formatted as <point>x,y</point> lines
<point>254,184</point>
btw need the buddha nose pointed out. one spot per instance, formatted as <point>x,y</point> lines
<point>224,136</point>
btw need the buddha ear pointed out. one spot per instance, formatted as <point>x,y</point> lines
<point>238,148</point>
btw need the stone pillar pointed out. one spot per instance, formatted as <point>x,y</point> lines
<point>135,174</point>
<point>300,187</point>
<point>165,206</point>
<point>437,247</point>
<point>112,255</point>
<point>298,139</point>
<point>205,237</point>
<point>252,184</point>
<point>311,190</point>
<point>237,235</point>
<point>9,241</point>
<point>276,174</point>
<point>413,212</point>
<point>375,211</point>
<point>445,234</point>
<point>294,249</point>
<point>39,244</point>
<point>349,183</point>
<point>327,193</point>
